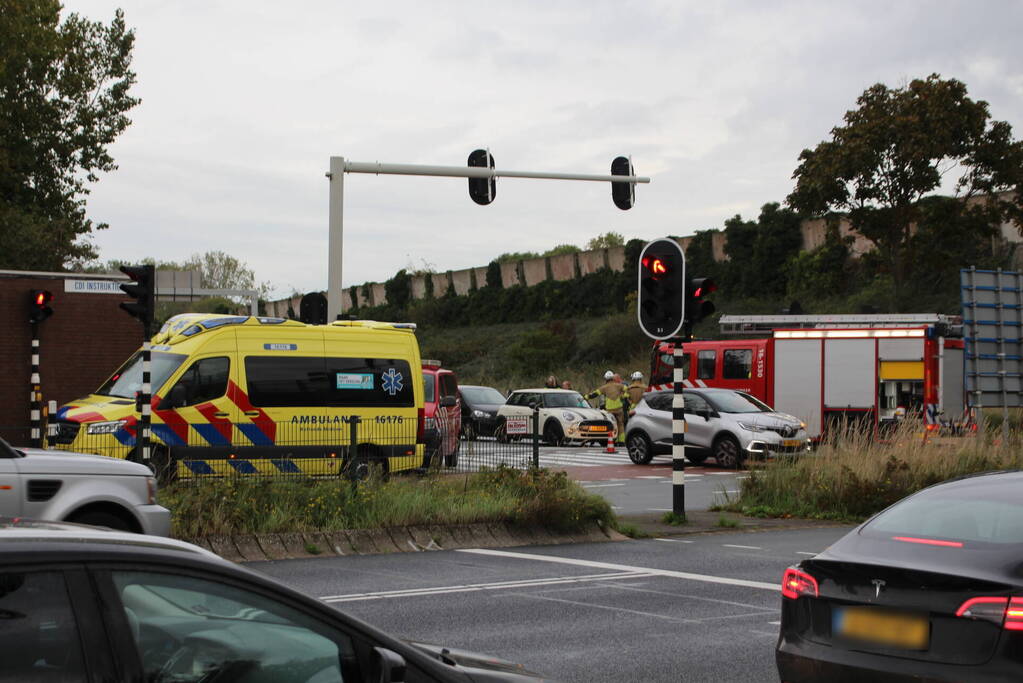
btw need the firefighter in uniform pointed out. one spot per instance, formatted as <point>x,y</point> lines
<point>636,390</point>
<point>614,398</point>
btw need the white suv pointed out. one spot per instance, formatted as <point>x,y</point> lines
<point>85,489</point>
<point>728,425</point>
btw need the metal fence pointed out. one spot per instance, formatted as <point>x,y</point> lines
<point>325,446</point>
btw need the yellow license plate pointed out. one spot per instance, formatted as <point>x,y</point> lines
<point>881,627</point>
<point>792,443</point>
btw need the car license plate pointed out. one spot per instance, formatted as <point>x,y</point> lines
<point>598,428</point>
<point>792,443</point>
<point>881,627</point>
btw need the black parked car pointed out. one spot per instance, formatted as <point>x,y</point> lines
<point>79,603</point>
<point>930,589</point>
<point>479,410</point>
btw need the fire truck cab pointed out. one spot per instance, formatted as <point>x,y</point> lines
<point>867,369</point>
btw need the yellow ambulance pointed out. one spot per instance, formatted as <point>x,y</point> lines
<point>258,395</point>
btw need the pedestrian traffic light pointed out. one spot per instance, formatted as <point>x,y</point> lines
<point>39,306</point>
<point>482,190</point>
<point>661,290</point>
<point>623,194</point>
<point>697,306</point>
<point>312,309</point>
<point>143,291</point>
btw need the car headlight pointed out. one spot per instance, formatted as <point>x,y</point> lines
<point>105,427</point>
<point>480,414</point>
<point>802,425</point>
<point>751,426</point>
<point>568,417</point>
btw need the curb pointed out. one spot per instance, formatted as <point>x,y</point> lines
<point>295,545</point>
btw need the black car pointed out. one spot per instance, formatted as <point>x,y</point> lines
<point>479,410</point>
<point>80,603</point>
<point>930,589</point>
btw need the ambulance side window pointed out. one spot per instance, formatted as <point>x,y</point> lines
<point>204,380</point>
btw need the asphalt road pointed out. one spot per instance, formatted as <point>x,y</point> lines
<point>697,608</point>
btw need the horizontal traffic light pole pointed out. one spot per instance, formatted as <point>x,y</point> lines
<point>378,168</point>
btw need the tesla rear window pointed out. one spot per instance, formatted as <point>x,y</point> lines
<point>990,512</point>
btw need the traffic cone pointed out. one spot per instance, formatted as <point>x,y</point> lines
<point>610,444</point>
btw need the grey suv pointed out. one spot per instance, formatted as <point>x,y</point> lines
<point>727,425</point>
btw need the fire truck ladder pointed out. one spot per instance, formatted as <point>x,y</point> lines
<point>764,324</point>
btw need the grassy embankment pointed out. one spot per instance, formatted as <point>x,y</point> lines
<point>851,478</point>
<point>524,498</point>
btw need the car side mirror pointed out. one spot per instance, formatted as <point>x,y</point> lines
<point>388,666</point>
<point>448,402</point>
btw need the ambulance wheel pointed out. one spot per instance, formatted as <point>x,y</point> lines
<point>641,451</point>
<point>727,453</point>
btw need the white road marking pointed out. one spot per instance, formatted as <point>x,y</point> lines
<point>499,585</point>
<point>800,552</point>
<point>600,486</point>
<point>673,540</point>
<point>743,547</point>
<point>774,623</point>
<point>707,578</point>
<point>651,476</point>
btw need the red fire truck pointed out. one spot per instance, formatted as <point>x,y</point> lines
<point>871,369</point>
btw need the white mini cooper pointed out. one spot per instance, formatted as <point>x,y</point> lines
<point>565,416</point>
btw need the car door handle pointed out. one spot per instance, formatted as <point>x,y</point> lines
<point>221,414</point>
<point>252,413</point>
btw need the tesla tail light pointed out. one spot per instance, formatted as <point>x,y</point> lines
<point>1006,612</point>
<point>796,583</point>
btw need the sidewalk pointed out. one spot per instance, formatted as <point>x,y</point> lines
<point>705,521</point>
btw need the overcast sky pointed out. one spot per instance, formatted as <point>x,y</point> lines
<point>243,104</point>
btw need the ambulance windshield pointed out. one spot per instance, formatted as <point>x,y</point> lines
<point>128,379</point>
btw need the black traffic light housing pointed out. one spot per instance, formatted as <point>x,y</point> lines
<point>623,194</point>
<point>661,289</point>
<point>482,190</point>
<point>697,306</point>
<point>312,310</point>
<point>39,305</point>
<point>143,291</point>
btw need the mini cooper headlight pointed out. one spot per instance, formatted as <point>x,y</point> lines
<point>105,427</point>
<point>568,417</point>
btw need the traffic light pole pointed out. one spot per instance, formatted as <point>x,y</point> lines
<point>678,436</point>
<point>36,414</point>
<point>338,167</point>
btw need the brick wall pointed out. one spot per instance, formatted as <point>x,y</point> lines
<point>81,344</point>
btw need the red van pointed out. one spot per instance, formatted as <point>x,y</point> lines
<point>443,412</point>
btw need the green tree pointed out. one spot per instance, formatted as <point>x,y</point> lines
<point>64,98</point>
<point>562,249</point>
<point>399,290</point>
<point>899,146</point>
<point>606,241</point>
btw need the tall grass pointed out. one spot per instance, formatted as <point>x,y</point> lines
<point>234,506</point>
<point>853,475</point>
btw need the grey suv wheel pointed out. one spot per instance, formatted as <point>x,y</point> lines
<point>641,451</point>
<point>727,452</point>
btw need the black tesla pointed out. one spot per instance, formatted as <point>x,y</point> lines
<point>930,589</point>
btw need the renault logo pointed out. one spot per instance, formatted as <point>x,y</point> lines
<point>878,585</point>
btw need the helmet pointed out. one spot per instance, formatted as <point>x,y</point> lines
<point>609,375</point>
<point>637,375</point>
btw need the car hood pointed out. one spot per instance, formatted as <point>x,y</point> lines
<point>486,407</point>
<point>96,408</point>
<point>39,461</point>
<point>478,666</point>
<point>581,413</point>
<point>768,419</point>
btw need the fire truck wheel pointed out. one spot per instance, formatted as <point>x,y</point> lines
<point>640,449</point>
<point>727,453</point>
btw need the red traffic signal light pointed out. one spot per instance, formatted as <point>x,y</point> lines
<point>39,303</point>
<point>697,307</point>
<point>661,290</point>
